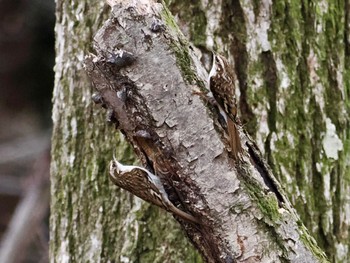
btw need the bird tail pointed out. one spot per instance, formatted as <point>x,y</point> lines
<point>235,141</point>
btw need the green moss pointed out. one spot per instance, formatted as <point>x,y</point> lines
<point>267,202</point>
<point>271,86</point>
<point>233,23</point>
<point>268,205</point>
<point>311,244</point>
<point>180,47</point>
<point>149,243</point>
<point>198,28</point>
<point>183,60</point>
<point>333,47</point>
<point>285,32</point>
<point>169,20</point>
<point>193,16</point>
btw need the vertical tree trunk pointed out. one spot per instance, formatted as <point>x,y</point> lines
<point>292,61</point>
<point>91,219</point>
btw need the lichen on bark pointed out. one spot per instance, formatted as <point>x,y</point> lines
<point>310,48</point>
<point>91,220</point>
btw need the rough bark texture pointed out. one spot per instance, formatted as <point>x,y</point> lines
<point>91,219</point>
<point>292,61</point>
<point>244,214</point>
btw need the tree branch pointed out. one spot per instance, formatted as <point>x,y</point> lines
<point>146,74</point>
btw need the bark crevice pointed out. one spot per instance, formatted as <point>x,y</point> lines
<point>150,97</point>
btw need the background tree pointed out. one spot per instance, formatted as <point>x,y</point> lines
<point>283,70</point>
<point>91,219</point>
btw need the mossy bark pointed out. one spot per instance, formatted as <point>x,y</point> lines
<point>91,219</point>
<point>174,135</point>
<point>292,62</point>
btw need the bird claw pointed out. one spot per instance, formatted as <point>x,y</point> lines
<point>208,99</point>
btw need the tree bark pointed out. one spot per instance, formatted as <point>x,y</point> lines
<point>291,59</point>
<point>91,219</point>
<point>147,75</point>
<point>292,62</point>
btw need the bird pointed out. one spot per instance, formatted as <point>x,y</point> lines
<point>222,86</point>
<point>145,185</point>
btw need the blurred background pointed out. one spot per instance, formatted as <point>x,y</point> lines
<point>26,83</point>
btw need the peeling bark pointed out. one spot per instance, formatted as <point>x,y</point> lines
<point>245,215</point>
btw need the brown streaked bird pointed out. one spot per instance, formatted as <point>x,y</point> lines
<point>146,186</point>
<point>222,86</point>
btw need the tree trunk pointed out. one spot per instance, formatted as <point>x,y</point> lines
<point>91,219</point>
<point>292,62</point>
<point>147,75</point>
<point>287,56</point>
